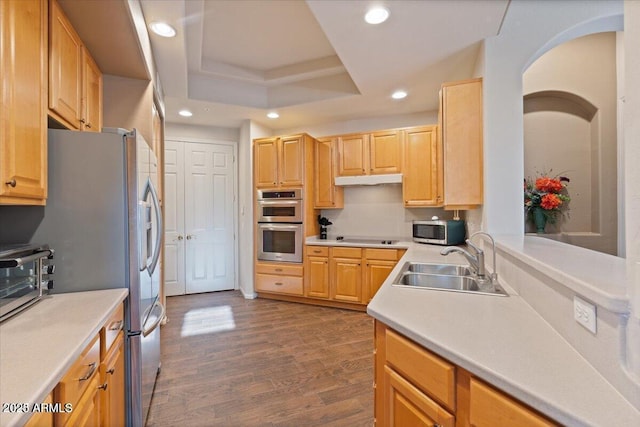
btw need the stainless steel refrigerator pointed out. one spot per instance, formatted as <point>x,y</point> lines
<point>103,219</point>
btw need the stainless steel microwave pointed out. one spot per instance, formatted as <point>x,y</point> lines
<point>279,205</point>
<point>439,232</point>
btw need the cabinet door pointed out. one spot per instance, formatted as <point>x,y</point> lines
<point>65,69</point>
<point>265,158</point>
<point>291,166</point>
<point>461,116</point>
<point>385,152</point>
<point>44,418</point>
<point>351,155</point>
<point>376,272</point>
<point>326,195</point>
<point>317,280</point>
<point>405,405</point>
<point>112,410</point>
<point>422,180</point>
<point>347,279</point>
<point>92,94</point>
<point>86,413</point>
<point>23,121</point>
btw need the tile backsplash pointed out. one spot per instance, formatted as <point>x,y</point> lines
<point>377,211</point>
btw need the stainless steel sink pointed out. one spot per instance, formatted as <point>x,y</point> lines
<point>447,269</point>
<point>443,277</point>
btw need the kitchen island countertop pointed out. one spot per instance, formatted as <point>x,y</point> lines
<point>505,342</point>
<point>38,345</point>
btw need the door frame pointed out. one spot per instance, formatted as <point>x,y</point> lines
<point>234,146</point>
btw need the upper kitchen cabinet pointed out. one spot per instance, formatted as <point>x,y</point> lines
<point>370,154</point>
<point>327,195</point>
<point>23,102</point>
<point>461,131</point>
<point>279,162</point>
<point>75,81</point>
<point>422,179</point>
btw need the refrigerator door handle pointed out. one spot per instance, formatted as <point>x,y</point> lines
<point>158,223</point>
<point>146,331</point>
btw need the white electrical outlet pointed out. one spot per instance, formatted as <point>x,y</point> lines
<point>584,313</point>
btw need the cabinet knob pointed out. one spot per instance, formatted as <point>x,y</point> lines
<point>111,371</point>
<point>103,386</point>
<point>88,125</point>
<point>83,121</point>
<point>12,183</point>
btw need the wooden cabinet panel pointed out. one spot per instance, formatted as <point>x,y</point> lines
<point>112,404</point>
<point>326,194</point>
<point>347,279</point>
<point>92,94</point>
<point>317,278</point>
<point>291,167</point>
<point>265,156</point>
<point>422,180</point>
<point>352,154</point>
<point>346,252</point>
<point>385,152</point>
<point>461,132</point>
<point>408,406</point>
<point>86,413</point>
<point>279,284</point>
<point>279,269</point>
<point>491,408</point>
<point>376,272</point>
<point>44,418</point>
<point>65,68</point>
<point>435,376</point>
<point>23,102</point>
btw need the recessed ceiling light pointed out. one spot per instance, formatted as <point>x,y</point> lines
<point>185,113</point>
<point>162,29</point>
<point>273,115</point>
<point>399,94</point>
<point>377,15</point>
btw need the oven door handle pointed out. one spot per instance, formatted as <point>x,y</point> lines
<point>279,226</point>
<point>279,202</point>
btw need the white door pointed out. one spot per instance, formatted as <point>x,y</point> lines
<point>174,283</point>
<point>200,247</point>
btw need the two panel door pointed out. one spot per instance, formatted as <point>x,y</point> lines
<point>199,217</point>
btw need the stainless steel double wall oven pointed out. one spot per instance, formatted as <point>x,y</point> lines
<point>280,215</point>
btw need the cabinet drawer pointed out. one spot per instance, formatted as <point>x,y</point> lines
<point>280,284</point>
<point>317,251</point>
<point>490,407</point>
<point>79,376</point>
<point>382,254</point>
<point>340,252</point>
<point>112,328</point>
<point>282,269</point>
<point>432,374</point>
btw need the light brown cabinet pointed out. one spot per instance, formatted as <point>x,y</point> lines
<point>347,274</point>
<point>461,132</point>
<point>370,153</point>
<point>326,194</point>
<point>423,175</point>
<point>414,386</point>
<point>23,100</point>
<point>279,162</point>
<point>75,81</point>
<point>279,278</point>
<point>42,418</point>
<point>112,371</point>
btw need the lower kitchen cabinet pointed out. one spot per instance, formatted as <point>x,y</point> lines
<point>42,418</point>
<point>279,278</point>
<point>347,274</point>
<point>415,387</point>
<point>113,385</point>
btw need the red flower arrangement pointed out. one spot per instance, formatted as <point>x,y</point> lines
<point>548,194</point>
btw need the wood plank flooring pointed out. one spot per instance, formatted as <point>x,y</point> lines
<point>228,361</point>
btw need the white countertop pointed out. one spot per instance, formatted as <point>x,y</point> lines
<point>505,342</point>
<point>331,241</point>
<point>38,345</point>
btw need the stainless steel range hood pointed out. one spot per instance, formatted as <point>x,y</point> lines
<point>391,178</point>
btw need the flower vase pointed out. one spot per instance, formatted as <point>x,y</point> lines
<point>539,219</point>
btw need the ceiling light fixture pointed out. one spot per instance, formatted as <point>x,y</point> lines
<point>273,115</point>
<point>376,15</point>
<point>185,113</point>
<point>162,29</point>
<point>399,94</point>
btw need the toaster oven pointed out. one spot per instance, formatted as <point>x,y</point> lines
<point>25,273</point>
<point>439,232</point>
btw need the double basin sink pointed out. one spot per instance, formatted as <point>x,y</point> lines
<point>444,277</point>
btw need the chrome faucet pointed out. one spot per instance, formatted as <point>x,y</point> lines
<point>494,273</point>
<point>476,262</point>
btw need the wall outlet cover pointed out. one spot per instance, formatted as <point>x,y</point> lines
<point>584,313</point>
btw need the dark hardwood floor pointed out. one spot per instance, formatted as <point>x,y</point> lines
<point>227,361</point>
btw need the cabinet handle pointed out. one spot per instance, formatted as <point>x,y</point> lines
<point>88,125</point>
<point>83,121</point>
<point>116,326</point>
<point>12,183</point>
<point>92,368</point>
<point>103,386</point>
<point>111,371</point>
<point>316,251</point>
<point>278,270</point>
<point>278,283</point>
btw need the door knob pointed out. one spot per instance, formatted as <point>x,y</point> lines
<point>180,237</point>
<point>189,237</point>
